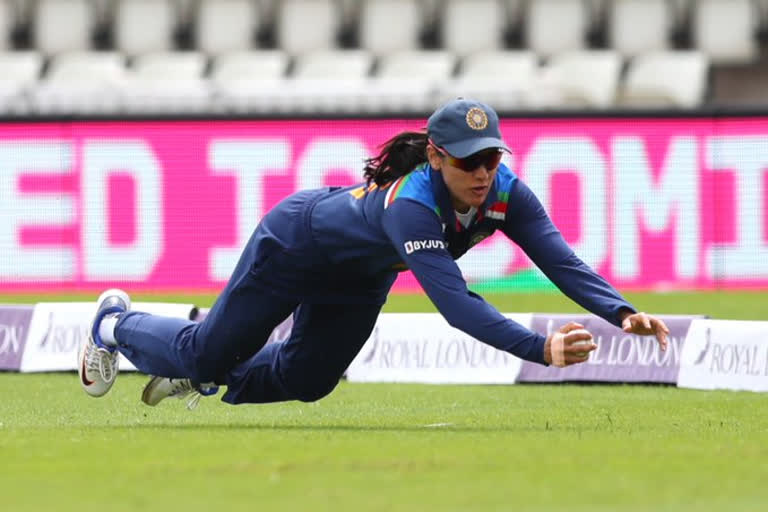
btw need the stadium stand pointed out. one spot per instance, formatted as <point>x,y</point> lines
<point>331,80</point>
<point>460,15</point>
<point>6,25</point>
<point>239,79</point>
<point>380,55</point>
<point>408,80</point>
<point>144,26</point>
<point>223,26</point>
<point>639,26</point>
<point>502,78</point>
<point>82,82</point>
<point>167,82</point>
<point>19,71</point>
<point>307,25</point>
<point>52,36</point>
<point>731,42</point>
<point>667,78</point>
<point>584,79</point>
<point>333,64</point>
<point>554,26</point>
<point>383,38</point>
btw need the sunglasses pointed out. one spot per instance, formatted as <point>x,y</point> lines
<point>488,158</point>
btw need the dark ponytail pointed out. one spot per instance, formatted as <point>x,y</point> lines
<point>398,156</point>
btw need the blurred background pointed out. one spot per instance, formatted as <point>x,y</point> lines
<point>141,141</point>
<point>373,56</point>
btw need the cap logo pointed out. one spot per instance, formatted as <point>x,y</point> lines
<point>477,119</point>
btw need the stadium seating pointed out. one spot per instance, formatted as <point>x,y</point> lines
<point>52,36</point>
<point>381,55</point>
<point>639,26</point>
<point>410,80</point>
<point>307,25</point>
<point>102,10</point>
<point>249,65</point>
<point>330,81</point>
<point>6,25</point>
<point>144,26</point>
<point>225,25</point>
<point>554,26</point>
<point>501,78</point>
<point>167,82</point>
<point>515,11</point>
<point>83,83</point>
<point>383,38</point>
<point>19,71</point>
<point>427,65</point>
<point>579,79</point>
<point>672,78</point>
<point>239,79</point>
<point>726,43</point>
<point>333,64</point>
<point>471,26</point>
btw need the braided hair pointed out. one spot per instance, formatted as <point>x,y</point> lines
<point>398,156</point>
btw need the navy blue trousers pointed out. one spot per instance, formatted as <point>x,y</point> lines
<point>228,346</point>
<point>229,349</point>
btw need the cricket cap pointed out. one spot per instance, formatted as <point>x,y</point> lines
<point>463,127</point>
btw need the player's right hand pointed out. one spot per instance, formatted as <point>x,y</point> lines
<point>560,349</point>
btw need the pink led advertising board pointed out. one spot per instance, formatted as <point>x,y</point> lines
<point>167,205</point>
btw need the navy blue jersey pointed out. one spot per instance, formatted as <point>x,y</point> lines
<point>347,244</point>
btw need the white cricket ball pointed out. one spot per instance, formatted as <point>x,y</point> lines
<point>582,342</point>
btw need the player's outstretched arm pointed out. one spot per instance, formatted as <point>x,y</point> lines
<point>405,222</point>
<point>529,226</point>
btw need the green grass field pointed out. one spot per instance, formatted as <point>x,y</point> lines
<point>737,305</point>
<point>383,447</point>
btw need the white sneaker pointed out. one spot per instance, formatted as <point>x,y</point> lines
<point>160,388</point>
<point>97,362</point>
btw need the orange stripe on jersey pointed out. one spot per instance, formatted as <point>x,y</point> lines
<point>359,192</point>
<point>396,189</point>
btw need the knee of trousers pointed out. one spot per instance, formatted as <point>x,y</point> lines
<point>313,391</point>
<point>207,367</point>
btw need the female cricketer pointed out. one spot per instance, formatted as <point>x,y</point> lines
<point>330,256</point>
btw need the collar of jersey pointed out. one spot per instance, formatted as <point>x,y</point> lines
<point>443,200</point>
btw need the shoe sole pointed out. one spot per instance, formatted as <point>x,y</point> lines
<point>148,389</point>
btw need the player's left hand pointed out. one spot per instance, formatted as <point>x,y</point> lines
<point>646,325</point>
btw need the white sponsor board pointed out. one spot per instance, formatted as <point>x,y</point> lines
<point>725,354</point>
<point>57,331</point>
<point>422,347</point>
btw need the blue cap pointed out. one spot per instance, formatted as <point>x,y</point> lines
<point>463,127</point>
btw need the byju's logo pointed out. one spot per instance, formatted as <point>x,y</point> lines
<point>417,245</point>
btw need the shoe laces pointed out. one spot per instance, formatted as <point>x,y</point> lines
<point>183,388</point>
<point>102,360</point>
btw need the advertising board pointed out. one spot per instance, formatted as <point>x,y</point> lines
<point>652,204</point>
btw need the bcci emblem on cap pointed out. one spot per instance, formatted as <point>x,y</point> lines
<point>477,118</point>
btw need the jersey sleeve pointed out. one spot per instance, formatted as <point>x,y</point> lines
<point>416,233</point>
<point>529,226</point>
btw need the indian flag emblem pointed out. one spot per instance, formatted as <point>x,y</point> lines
<point>497,211</point>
